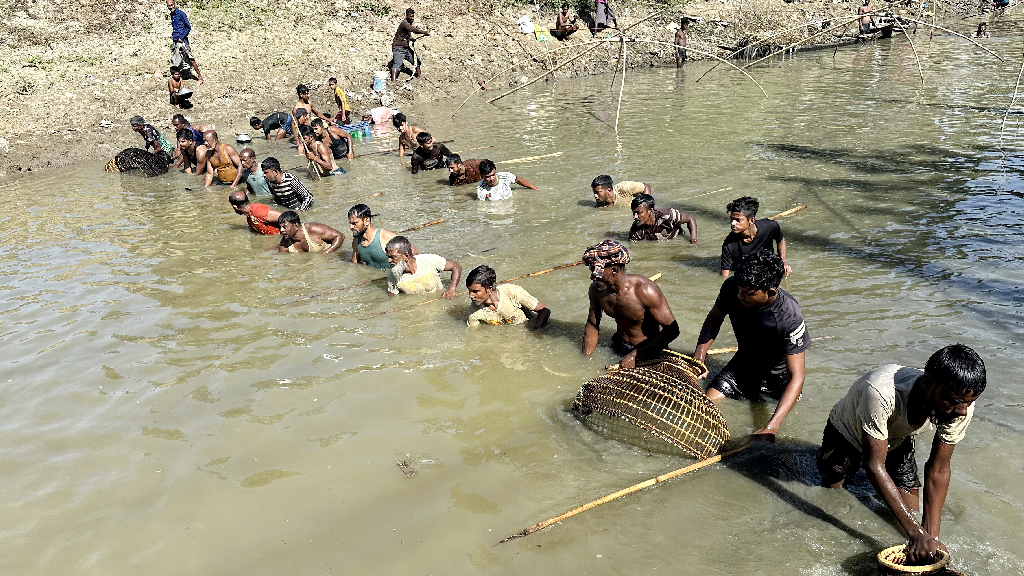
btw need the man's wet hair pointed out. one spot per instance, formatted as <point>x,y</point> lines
<point>602,181</point>
<point>255,122</point>
<point>398,120</point>
<point>289,217</point>
<point>302,89</point>
<point>332,79</point>
<point>762,270</point>
<point>959,368</point>
<point>180,118</point>
<point>305,131</point>
<point>399,244</point>
<point>270,163</point>
<point>360,211</point>
<point>486,167</point>
<point>317,122</point>
<point>423,138</point>
<point>747,205</point>
<point>185,134</point>
<point>454,159</point>
<point>642,200</point>
<point>175,69</point>
<point>483,275</point>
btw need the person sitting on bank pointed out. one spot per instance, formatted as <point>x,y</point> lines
<point>287,190</point>
<point>311,237</point>
<point>317,153</point>
<point>430,155</point>
<point>565,23</point>
<point>174,85</point>
<point>262,219</point>
<point>496,185</point>
<point>644,323</point>
<point>368,241</point>
<point>621,194</point>
<point>749,236</point>
<point>771,335</point>
<point>221,160</point>
<point>463,171</point>
<point>659,224</point>
<point>190,153</point>
<point>418,273</point>
<point>341,101</point>
<point>875,427</point>
<point>336,139</point>
<point>255,182</point>
<point>400,50</point>
<point>504,304</point>
<point>153,138</point>
<point>406,134</point>
<point>280,121</point>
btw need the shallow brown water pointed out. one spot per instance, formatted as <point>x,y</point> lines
<point>168,408</point>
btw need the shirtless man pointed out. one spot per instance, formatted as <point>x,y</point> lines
<point>304,110</point>
<point>680,42</point>
<point>174,84</point>
<point>418,273</point>
<point>644,323</point>
<point>407,134</point>
<point>867,21</point>
<point>463,172</point>
<point>178,121</point>
<point>222,160</point>
<point>311,237</point>
<point>262,219</point>
<point>621,194</point>
<point>255,181</point>
<point>368,241</point>
<point>316,152</point>
<point>565,23</point>
<point>430,155</point>
<point>337,140</point>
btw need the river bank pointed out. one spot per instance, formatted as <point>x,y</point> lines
<point>65,102</point>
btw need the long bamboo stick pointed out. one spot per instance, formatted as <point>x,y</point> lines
<point>788,212</point>
<point>954,34</point>
<point>622,85</point>
<point>920,69</point>
<point>538,273</point>
<point>1016,91</point>
<point>431,223</point>
<point>805,39</point>
<point>731,349</point>
<point>710,55</point>
<point>712,192</point>
<point>634,488</point>
<point>530,158</point>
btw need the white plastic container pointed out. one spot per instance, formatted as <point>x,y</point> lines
<point>380,79</point>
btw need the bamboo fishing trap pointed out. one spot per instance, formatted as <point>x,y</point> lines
<point>662,399</point>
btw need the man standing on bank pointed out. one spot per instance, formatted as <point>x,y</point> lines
<point>771,336</point>
<point>400,50</point>
<point>749,236</point>
<point>875,425</point>
<point>644,324</point>
<point>181,50</point>
<point>660,224</point>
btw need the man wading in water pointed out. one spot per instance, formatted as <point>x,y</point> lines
<point>311,237</point>
<point>418,273</point>
<point>368,241</point>
<point>749,236</point>
<point>644,323</point>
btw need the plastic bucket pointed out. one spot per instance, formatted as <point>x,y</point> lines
<point>380,79</point>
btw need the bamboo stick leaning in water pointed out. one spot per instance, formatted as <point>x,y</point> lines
<point>712,192</point>
<point>709,55</point>
<point>538,273</point>
<point>634,488</point>
<point>431,223</point>
<point>1016,91</point>
<point>920,69</point>
<point>730,349</point>
<point>788,212</point>
<point>923,23</point>
<point>531,158</point>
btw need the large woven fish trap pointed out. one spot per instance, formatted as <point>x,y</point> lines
<point>662,399</point>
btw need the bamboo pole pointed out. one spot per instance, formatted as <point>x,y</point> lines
<point>920,70</point>
<point>712,192</point>
<point>431,223</point>
<point>531,158</point>
<point>731,349</point>
<point>955,34</point>
<point>622,85</point>
<point>531,274</point>
<point>689,49</point>
<point>788,212</point>
<point>545,74</point>
<point>805,39</point>
<point>1016,91</point>
<point>634,488</point>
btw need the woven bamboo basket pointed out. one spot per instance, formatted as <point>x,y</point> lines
<point>895,558</point>
<point>662,399</point>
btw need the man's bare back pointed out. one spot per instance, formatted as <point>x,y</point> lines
<point>630,306</point>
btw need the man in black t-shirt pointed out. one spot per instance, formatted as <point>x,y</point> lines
<point>749,236</point>
<point>280,121</point>
<point>431,155</point>
<point>771,337</point>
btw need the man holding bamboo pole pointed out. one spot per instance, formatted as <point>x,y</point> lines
<point>644,323</point>
<point>771,334</point>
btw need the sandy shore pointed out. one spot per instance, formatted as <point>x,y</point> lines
<point>78,71</point>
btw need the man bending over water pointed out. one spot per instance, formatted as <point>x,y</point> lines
<point>262,219</point>
<point>496,185</point>
<point>311,237</point>
<point>659,224</point>
<point>621,194</point>
<point>644,323</point>
<point>418,273</point>
<point>504,304</point>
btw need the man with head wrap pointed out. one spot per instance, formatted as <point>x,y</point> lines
<point>644,322</point>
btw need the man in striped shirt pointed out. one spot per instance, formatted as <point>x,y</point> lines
<point>663,224</point>
<point>286,189</point>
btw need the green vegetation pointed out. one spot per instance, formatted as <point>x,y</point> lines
<point>232,14</point>
<point>373,7</point>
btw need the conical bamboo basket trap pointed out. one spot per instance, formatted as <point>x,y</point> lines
<point>662,399</point>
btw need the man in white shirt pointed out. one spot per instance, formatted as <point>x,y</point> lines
<point>875,424</point>
<point>416,274</point>
<point>497,185</point>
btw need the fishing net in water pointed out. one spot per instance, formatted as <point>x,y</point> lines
<point>131,159</point>
<point>662,399</point>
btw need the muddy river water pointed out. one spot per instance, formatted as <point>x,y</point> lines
<point>167,407</point>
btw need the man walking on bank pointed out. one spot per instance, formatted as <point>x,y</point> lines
<point>181,50</point>
<point>400,50</point>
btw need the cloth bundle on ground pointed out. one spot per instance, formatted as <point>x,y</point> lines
<point>131,159</point>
